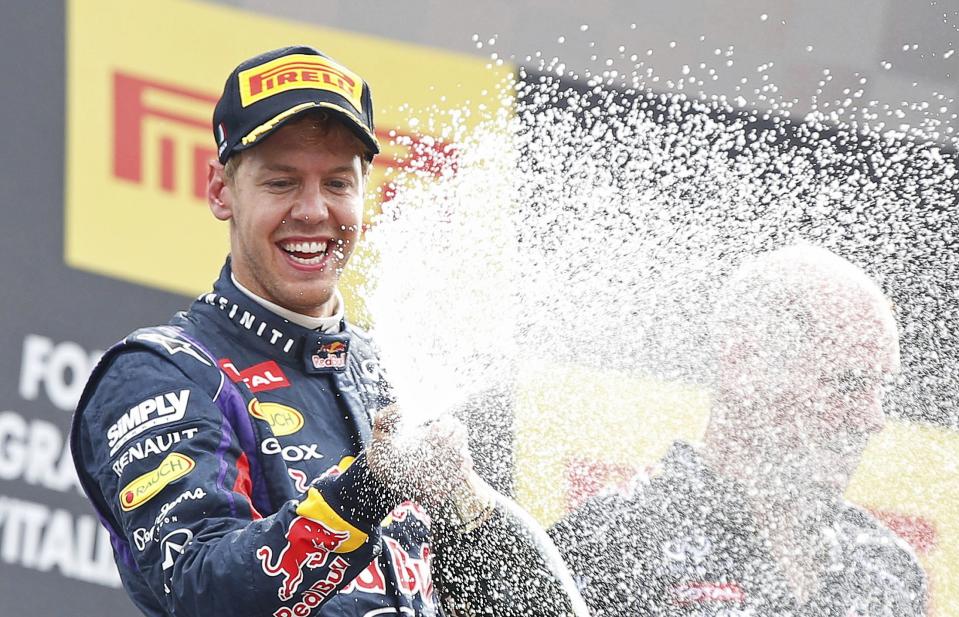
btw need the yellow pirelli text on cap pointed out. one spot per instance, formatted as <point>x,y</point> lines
<point>299,71</point>
<point>282,419</point>
<point>145,487</point>
<point>315,507</point>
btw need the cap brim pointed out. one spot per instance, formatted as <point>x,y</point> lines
<point>267,128</point>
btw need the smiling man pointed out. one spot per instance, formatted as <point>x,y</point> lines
<point>753,521</point>
<point>296,205</point>
<point>244,457</point>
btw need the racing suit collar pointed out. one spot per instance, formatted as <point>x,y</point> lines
<point>682,459</point>
<point>684,465</point>
<point>329,325</point>
<point>272,334</point>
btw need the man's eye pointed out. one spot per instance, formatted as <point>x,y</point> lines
<point>339,184</point>
<point>279,184</point>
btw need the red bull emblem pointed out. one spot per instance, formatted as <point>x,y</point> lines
<point>333,348</point>
<point>370,580</point>
<point>317,592</point>
<point>413,574</point>
<point>330,355</point>
<point>308,544</point>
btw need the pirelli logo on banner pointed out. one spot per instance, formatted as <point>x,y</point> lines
<point>142,83</point>
<point>299,71</point>
<point>138,100</point>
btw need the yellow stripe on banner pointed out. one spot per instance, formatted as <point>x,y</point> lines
<point>315,507</point>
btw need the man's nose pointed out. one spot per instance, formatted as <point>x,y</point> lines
<point>311,206</point>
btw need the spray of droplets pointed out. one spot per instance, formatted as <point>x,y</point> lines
<point>593,220</point>
<point>592,224</point>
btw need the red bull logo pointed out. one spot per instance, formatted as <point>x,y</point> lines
<point>370,580</point>
<point>317,592</point>
<point>413,575</point>
<point>333,348</point>
<point>308,544</point>
<point>406,510</point>
<point>330,355</point>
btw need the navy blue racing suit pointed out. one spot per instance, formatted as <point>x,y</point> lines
<point>223,454</point>
<point>688,544</point>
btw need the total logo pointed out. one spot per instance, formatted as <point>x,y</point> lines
<point>282,419</point>
<point>260,377</point>
<point>146,487</point>
<point>292,453</point>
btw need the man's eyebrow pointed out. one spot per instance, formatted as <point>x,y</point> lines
<point>342,169</point>
<point>279,167</point>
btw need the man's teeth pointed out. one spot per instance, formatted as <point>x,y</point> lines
<point>305,247</point>
<point>297,251</point>
<point>312,261</point>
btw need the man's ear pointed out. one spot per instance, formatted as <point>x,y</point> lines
<point>219,194</point>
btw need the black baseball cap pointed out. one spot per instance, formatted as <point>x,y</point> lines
<point>270,89</point>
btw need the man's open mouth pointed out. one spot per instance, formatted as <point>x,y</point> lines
<point>306,253</point>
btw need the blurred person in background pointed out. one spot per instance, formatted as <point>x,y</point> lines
<point>753,520</point>
<point>245,458</point>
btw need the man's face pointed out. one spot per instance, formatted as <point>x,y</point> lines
<point>820,427</point>
<point>295,205</point>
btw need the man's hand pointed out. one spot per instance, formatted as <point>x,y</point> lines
<point>430,464</point>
